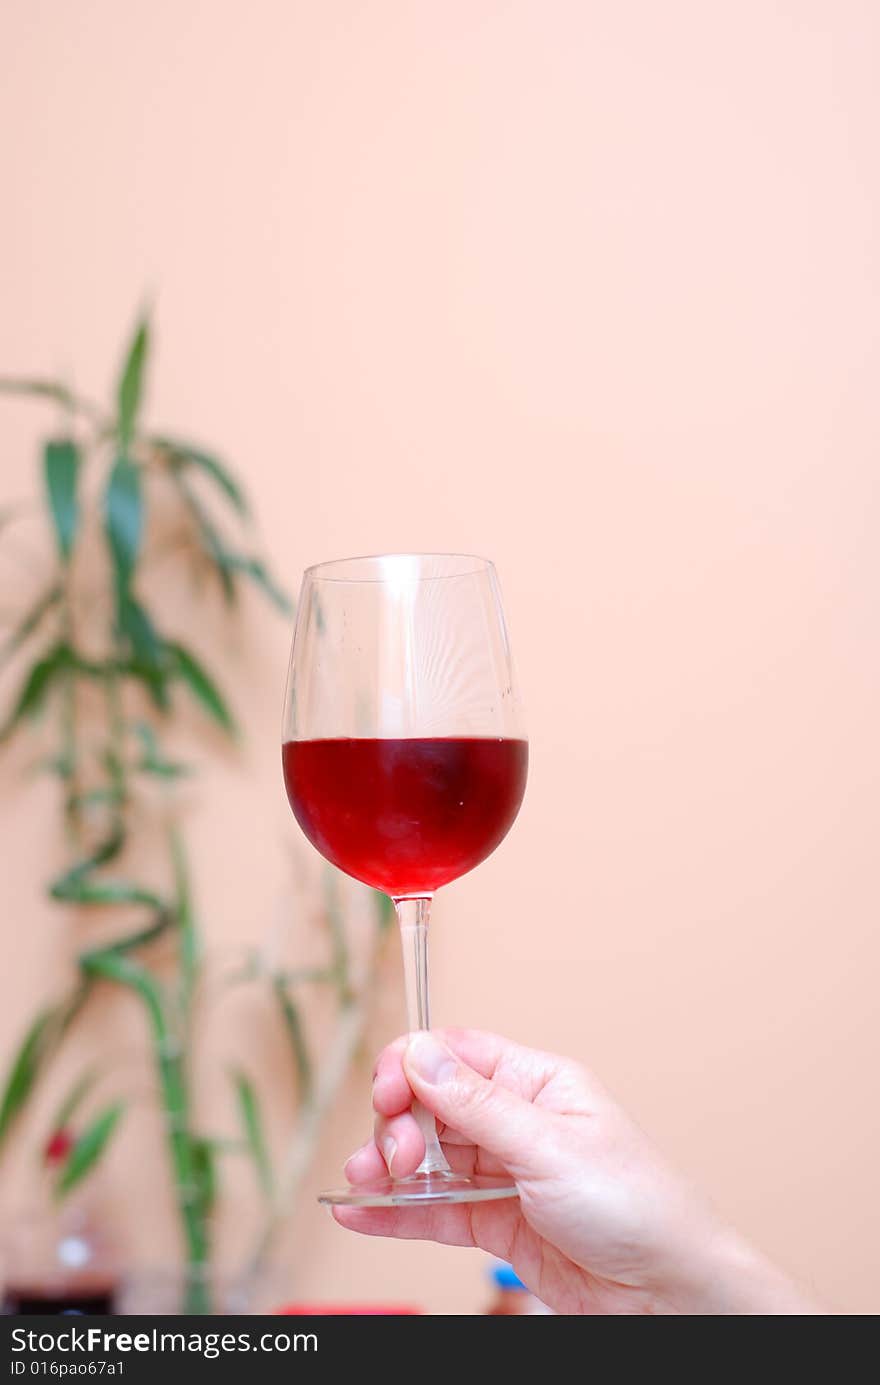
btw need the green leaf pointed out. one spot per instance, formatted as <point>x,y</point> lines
<point>153,761</point>
<point>136,625</point>
<point>113,964</point>
<point>93,892</point>
<point>105,851</point>
<point>153,679</point>
<point>37,1046</point>
<point>147,737</point>
<point>252,1128</point>
<point>227,563</point>
<point>53,764</point>
<point>256,569</point>
<point>74,1099</point>
<point>164,769</point>
<point>88,1148</point>
<point>89,668</point>
<point>93,959</point>
<point>204,1164</point>
<point>124,519</point>
<point>40,389</point>
<point>93,797</point>
<point>36,685</point>
<point>61,461</point>
<point>26,1065</point>
<point>296,1034</point>
<point>128,394</point>
<point>129,941</point>
<point>182,454</point>
<point>190,945</point>
<point>212,544</point>
<point>115,773</point>
<point>187,667</point>
<point>79,885</point>
<point>73,1005</point>
<point>30,623</point>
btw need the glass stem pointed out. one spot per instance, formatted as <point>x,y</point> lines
<point>413,916</point>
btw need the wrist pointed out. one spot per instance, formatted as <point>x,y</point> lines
<point>725,1276</point>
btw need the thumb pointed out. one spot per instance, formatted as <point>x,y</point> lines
<point>490,1115</point>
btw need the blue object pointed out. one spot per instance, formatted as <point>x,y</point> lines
<point>505,1277</point>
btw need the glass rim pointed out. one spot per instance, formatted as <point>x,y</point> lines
<point>465,565</point>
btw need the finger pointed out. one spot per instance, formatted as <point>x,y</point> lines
<point>483,1052</point>
<point>494,1226</point>
<point>366,1165</point>
<point>391,1091</point>
<point>480,1050</point>
<point>448,1225</point>
<point>523,1070</point>
<point>487,1113</point>
<point>401,1143</point>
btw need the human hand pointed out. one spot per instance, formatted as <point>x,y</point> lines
<point>602,1224</point>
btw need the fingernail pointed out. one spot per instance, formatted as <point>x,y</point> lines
<point>388,1146</point>
<point>429,1059</point>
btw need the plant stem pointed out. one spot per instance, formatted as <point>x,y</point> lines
<point>176,1107</point>
<point>69,749</point>
<point>172,1075</point>
<point>175,1100</point>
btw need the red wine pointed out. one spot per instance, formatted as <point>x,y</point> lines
<point>406,815</point>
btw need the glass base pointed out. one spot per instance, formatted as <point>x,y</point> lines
<point>421,1189</point>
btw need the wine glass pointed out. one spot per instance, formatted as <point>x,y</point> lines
<point>405,763</point>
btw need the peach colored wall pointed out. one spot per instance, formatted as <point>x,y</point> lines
<point>593,289</point>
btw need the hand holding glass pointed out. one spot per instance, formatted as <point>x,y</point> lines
<point>405,762</point>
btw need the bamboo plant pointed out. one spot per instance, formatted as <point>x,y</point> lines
<point>105,671</point>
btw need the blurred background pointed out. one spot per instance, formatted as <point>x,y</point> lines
<point>593,290</point>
